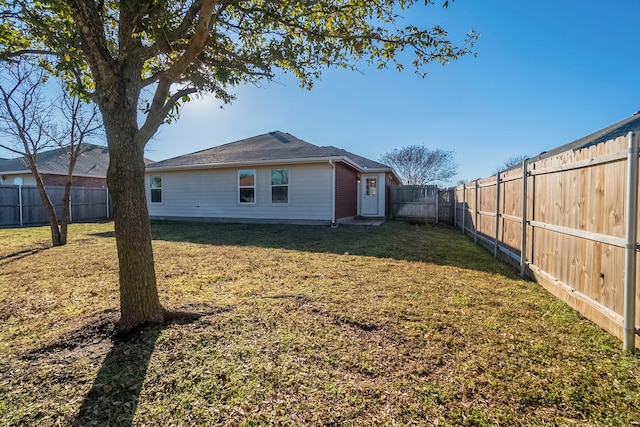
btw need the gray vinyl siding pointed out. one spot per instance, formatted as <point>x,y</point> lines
<point>214,194</point>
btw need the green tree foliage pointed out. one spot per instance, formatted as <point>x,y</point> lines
<point>153,55</point>
<point>417,165</point>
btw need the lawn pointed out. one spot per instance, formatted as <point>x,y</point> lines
<point>392,325</point>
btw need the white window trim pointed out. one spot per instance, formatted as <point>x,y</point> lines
<point>161,189</point>
<point>254,186</point>
<point>288,185</point>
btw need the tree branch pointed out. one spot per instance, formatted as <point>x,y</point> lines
<point>8,56</point>
<point>158,110</point>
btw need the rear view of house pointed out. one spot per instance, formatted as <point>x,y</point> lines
<point>273,177</point>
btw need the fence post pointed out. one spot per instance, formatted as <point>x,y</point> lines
<point>437,200</point>
<point>20,204</point>
<point>523,236</point>
<point>475,207</point>
<point>631,216</point>
<point>495,249</point>
<point>455,206</point>
<point>464,206</point>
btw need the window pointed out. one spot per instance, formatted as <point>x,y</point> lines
<point>279,185</point>
<point>247,186</point>
<point>372,186</point>
<point>156,188</point>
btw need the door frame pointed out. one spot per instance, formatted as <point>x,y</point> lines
<point>363,194</point>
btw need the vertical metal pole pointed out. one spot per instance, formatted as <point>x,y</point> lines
<point>70,210</point>
<point>631,218</point>
<point>475,225</point>
<point>523,236</point>
<point>495,249</point>
<point>437,199</point>
<point>464,206</point>
<point>20,203</point>
<point>107,194</point>
<point>455,206</point>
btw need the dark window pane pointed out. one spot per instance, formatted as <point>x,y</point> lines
<point>246,195</point>
<point>156,195</point>
<point>280,194</point>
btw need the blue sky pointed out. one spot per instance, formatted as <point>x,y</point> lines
<point>547,72</point>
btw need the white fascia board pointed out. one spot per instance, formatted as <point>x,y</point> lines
<point>255,163</point>
<point>15,172</point>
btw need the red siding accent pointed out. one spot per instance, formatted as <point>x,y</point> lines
<point>346,191</point>
<point>77,181</point>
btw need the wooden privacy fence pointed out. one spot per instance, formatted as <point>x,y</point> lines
<point>425,203</point>
<point>21,205</point>
<point>580,237</point>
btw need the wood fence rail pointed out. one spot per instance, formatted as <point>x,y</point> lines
<point>570,222</point>
<point>21,205</point>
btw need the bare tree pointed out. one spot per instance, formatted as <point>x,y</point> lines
<point>417,165</point>
<point>27,118</point>
<point>511,162</point>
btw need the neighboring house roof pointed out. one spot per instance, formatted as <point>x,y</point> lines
<point>267,148</point>
<point>621,128</point>
<point>93,162</point>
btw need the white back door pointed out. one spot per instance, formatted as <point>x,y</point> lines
<point>370,195</point>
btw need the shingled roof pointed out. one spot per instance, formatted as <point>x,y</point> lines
<point>92,162</point>
<point>269,147</point>
<point>620,128</point>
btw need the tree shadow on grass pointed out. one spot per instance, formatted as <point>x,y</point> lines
<point>437,244</point>
<point>15,256</point>
<point>431,243</point>
<point>113,397</point>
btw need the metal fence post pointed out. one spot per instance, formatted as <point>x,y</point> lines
<point>455,206</point>
<point>464,206</point>
<point>630,265</point>
<point>523,236</point>
<point>106,191</point>
<point>437,207</point>
<point>495,249</point>
<point>475,225</point>
<point>20,204</point>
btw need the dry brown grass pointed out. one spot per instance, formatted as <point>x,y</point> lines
<point>398,325</point>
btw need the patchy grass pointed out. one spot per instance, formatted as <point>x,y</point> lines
<point>397,325</point>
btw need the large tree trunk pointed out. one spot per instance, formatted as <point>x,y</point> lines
<point>139,302</point>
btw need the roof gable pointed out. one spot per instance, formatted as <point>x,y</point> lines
<point>272,146</point>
